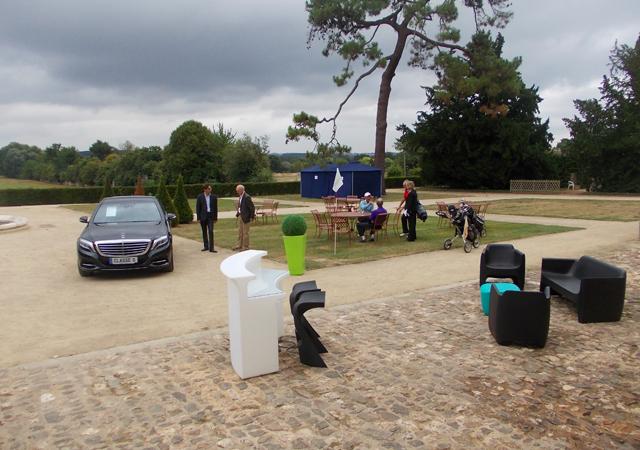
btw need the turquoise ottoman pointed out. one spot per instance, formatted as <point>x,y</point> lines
<point>485,293</point>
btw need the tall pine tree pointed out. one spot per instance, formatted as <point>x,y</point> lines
<point>604,150</point>
<point>476,140</point>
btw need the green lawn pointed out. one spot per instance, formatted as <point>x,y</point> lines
<point>622,210</point>
<point>13,183</point>
<point>320,250</point>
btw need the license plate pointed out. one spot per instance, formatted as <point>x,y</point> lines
<point>125,260</point>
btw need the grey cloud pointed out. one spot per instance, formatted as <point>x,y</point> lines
<point>167,61</point>
<point>195,49</point>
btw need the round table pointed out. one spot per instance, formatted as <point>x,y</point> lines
<point>352,216</point>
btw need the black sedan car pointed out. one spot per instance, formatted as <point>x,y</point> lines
<point>126,233</point>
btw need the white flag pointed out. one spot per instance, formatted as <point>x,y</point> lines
<point>337,181</point>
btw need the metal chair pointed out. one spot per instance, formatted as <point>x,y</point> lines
<point>340,225</point>
<point>442,211</point>
<point>396,222</point>
<point>321,222</point>
<point>380,225</point>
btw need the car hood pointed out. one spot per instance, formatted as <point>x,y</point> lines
<point>117,231</point>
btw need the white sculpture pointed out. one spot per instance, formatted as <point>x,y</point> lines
<point>255,301</point>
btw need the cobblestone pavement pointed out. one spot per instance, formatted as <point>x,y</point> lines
<point>419,370</point>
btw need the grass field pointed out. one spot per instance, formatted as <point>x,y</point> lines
<point>288,176</point>
<point>268,237</point>
<point>13,183</point>
<point>320,249</point>
<point>623,210</point>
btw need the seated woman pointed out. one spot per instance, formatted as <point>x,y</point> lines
<point>368,224</point>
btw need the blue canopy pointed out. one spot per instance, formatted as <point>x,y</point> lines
<point>317,181</point>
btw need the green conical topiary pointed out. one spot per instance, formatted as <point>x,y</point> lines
<point>294,225</point>
<point>165,200</point>
<point>107,191</point>
<point>181,203</point>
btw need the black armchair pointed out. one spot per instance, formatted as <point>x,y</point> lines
<point>520,317</point>
<point>309,346</point>
<point>502,261</point>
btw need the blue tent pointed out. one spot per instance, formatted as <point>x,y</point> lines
<point>317,181</point>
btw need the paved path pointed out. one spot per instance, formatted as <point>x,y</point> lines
<point>47,310</point>
<point>413,371</point>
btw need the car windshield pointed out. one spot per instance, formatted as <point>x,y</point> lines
<point>127,211</point>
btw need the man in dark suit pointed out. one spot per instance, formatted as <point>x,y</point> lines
<point>246,212</point>
<point>207,213</point>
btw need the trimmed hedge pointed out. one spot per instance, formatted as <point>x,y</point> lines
<point>393,182</point>
<point>49,196</point>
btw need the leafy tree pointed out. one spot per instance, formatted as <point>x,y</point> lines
<point>350,27</point>
<point>605,139</point>
<point>328,153</point>
<point>65,157</point>
<point>466,143</point>
<point>14,156</point>
<point>88,171</point>
<point>100,149</point>
<point>247,160</point>
<point>195,152</point>
<point>181,203</point>
<point>167,203</point>
<point>140,161</point>
<point>109,168</point>
<point>276,164</point>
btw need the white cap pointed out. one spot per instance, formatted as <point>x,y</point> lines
<point>367,194</point>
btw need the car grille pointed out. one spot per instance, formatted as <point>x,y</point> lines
<point>125,247</point>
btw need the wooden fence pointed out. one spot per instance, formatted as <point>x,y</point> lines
<point>534,185</point>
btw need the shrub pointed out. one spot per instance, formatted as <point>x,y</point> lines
<point>165,200</point>
<point>181,203</point>
<point>294,225</point>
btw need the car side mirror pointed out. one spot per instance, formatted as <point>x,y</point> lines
<point>84,219</point>
<point>171,216</point>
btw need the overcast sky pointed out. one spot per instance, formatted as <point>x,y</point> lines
<point>74,71</point>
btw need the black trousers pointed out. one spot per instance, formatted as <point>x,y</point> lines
<point>363,226</point>
<point>207,232</point>
<point>411,222</point>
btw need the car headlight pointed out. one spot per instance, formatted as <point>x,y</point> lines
<point>160,242</point>
<point>86,245</point>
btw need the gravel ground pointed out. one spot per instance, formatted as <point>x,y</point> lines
<point>419,370</point>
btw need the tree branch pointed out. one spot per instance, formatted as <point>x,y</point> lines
<point>387,20</point>
<point>435,43</point>
<point>355,87</point>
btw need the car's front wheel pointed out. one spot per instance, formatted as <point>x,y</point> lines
<point>169,267</point>
<point>84,273</point>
